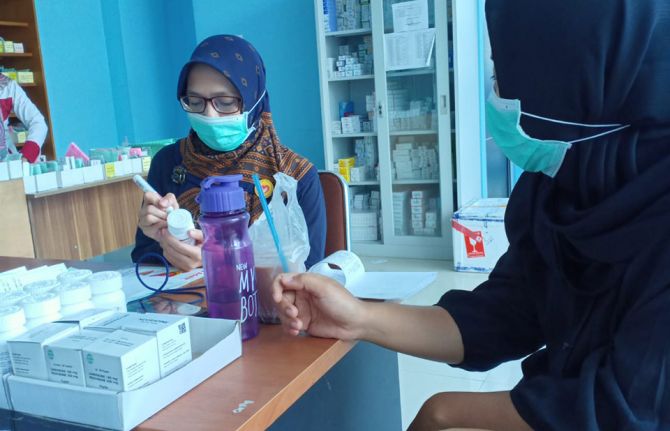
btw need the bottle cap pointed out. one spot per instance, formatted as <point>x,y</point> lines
<point>74,275</point>
<point>221,194</point>
<point>13,298</point>
<point>39,305</point>
<point>11,318</point>
<point>180,221</point>
<point>38,287</point>
<point>105,282</point>
<point>74,293</point>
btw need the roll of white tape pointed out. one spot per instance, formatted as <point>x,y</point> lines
<point>105,282</point>
<point>40,305</point>
<point>39,287</point>
<point>12,318</point>
<point>74,293</point>
<point>74,275</point>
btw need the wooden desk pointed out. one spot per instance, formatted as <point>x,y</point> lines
<point>277,371</point>
<point>84,221</point>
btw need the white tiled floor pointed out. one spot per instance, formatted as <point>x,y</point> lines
<point>420,378</point>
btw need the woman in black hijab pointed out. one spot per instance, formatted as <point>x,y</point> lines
<point>584,289</point>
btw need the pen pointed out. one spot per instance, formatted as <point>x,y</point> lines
<point>146,187</point>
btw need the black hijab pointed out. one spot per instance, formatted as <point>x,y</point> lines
<point>595,61</point>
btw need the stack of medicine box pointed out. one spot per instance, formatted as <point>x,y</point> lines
<point>410,162</point>
<point>348,14</point>
<point>354,61</point>
<point>370,108</point>
<point>366,159</point>
<point>344,167</point>
<point>351,124</point>
<point>401,216</point>
<point>120,352</point>
<point>424,213</point>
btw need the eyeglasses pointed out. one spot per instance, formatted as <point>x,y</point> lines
<point>221,104</point>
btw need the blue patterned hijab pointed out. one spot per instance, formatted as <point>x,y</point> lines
<point>238,61</point>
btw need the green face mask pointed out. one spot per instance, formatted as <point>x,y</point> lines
<point>223,133</point>
<point>533,155</point>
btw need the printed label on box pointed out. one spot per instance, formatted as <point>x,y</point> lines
<point>474,244</point>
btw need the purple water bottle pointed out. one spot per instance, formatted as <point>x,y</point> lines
<point>227,254</point>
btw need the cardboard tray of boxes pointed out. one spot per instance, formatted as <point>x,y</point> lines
<point>118,398</point>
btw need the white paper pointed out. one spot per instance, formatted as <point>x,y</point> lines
<point>409,50</point>
<point>410,15</point>
<point>154,276</point>
<point>347,269</point>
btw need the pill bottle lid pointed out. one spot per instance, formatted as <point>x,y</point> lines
<point>74,293</point>
<point>39,305</point>
<point>11,318</point>
<point>105,281</point>
<point>180,221</point>
<point>13,298</point>
<point>42,286</point>
<point>74,275</point>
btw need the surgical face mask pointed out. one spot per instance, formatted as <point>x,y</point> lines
<point>533,155</point>
<point>225,133</point>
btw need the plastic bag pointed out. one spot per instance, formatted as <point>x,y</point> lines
<point>291,226</point>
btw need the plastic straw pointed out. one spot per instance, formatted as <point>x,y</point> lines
<point>268,215</point>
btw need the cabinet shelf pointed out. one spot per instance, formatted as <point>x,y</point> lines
<point>351,78</point>
<point>414,182</point>
<point>28,85</point>
<point>13,24</point>
<point>364,183</point>
<point>411,72</point>
<point>354,135</point>
<point>412,132</point>
<point>347,33</point>
<point>16,54</point>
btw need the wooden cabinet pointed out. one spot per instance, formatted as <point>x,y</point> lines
<point>18,23</point>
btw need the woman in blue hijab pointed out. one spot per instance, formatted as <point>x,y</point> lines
<point>222,90</point>
<point>583,293</point>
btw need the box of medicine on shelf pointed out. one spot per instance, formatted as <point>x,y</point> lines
<point>8,46</point>
<point>18,47</point>
<point>25,77</point>
<point>46,181</point>
<point>94,173</point>
<point>478,232</point>
<point>69,177</point>
<point>216,343</point>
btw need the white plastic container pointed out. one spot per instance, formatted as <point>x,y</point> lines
<point>107,289</point>
<point>74,275</point>
<point>12,298</point>
<point>74,298</point>
<point>180,221</point>
<point>42,308</point>
<point>40,287</point>
<point>12,324</point>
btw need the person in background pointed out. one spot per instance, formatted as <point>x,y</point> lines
<point>223,91</point>
<point>14,99</point>
<point>583,292</point>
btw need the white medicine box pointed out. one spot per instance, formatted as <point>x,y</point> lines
<point>27,350</point>
<point>172,334</point>
<point>121,361</point>
<point>478,235</point>
<point>70,177</point>
<point>65,362</point>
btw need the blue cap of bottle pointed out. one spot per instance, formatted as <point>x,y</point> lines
<point>221,194</point>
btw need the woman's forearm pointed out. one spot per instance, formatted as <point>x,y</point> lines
<point>427,332</point>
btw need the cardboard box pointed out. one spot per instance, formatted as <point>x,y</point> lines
<point>136,165</point>
<point>4,393</point>
<point>15,169</point>
<point>27,350</point>
<point>65,363</point>
<point>479,237</point>
<point>109,324</point>
<point>4,171</point>
<point>121,361</point>
<point>215,342</point>
<point>93,173</point>
<point>172,337</point>
<point>45,182</point>
<point>70,177</point>
<point>89,317</point>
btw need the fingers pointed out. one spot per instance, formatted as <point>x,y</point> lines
<point>169,200</point>
<point>183,256</point>
<point>196,234</point>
